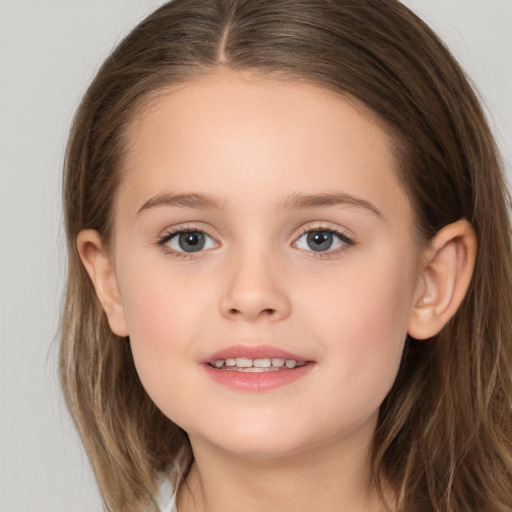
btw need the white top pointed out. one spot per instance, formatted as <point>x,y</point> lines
<point>166,499</point>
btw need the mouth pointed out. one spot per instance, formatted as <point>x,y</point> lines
<point>259,365</point>
<point>257,368</point>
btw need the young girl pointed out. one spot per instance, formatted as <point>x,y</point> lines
<point>289,267</point>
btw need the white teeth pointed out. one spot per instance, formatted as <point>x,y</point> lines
<point>261,363</point>
<point>253,369</point>
<point>257,364</point>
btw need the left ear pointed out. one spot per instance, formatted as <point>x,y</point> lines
<point>446,268</point>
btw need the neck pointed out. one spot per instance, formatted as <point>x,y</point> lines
<point>332,477</point>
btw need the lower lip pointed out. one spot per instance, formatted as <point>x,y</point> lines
<point>257,381</point>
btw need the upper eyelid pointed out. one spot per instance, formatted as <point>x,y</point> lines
<point>347,240</point>
<point>325,226</point>
<point>168,233</point>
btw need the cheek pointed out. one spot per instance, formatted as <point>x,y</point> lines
<point>160,337</point>
<point>161,306</point>
<point>166,312</point>
<point>362,325</point>
<point>160,319</point>
<point>151,316</point>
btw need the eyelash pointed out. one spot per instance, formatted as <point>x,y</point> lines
<point>176,231</point>
<point>341,235</point>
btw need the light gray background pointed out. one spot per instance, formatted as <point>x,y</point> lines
<point>49,51</point>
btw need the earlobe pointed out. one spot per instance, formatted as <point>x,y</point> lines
<point>447,267</point>
<point>97,260</point>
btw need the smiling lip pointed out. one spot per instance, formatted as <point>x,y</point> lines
<point>255,381</point>
<point>252,352</point>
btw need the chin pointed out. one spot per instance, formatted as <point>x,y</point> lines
<point>259,441</point>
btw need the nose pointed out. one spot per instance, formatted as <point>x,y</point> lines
<point>255,290</point>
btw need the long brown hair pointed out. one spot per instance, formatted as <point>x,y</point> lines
<point>444,435</point>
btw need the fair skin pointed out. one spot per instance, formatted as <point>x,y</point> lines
<point>309,248</point>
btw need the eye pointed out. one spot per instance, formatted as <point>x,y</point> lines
<point>323,240</point>
<point>188,241</point>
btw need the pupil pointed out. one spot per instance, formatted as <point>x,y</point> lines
<point>191,242</point>
<point>320,240</point>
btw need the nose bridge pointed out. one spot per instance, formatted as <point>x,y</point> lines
<point>255,287</point>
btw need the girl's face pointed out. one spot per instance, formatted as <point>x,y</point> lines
<point>263,220</point>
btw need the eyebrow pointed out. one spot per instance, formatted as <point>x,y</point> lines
<point>199,201</point>
<point>296,201</point>
<point>301,200</point>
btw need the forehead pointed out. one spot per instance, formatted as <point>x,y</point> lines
<point>224,97</point>
<point>233,132</point>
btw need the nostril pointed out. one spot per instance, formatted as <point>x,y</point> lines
<point>263,312</point>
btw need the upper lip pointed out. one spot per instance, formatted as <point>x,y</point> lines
<point>252,352</point>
